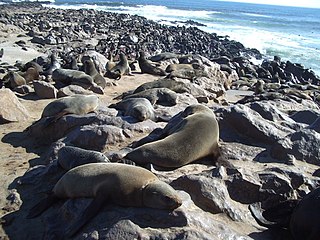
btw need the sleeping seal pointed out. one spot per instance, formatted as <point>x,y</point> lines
<point>121,184</point>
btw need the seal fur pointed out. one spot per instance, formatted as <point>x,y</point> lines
<point>122,184</point>
<point>194,137</point>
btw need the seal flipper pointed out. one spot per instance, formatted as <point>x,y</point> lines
<point>255,210</point>
<point>43,205</point>
<point>87,215</point>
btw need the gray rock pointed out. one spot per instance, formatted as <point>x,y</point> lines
<point>303,145</point>
<point>72,90</point>
<point>306,116</point>
<point>239,120</point>
<point>44,89</point>
<point>97,138</point>
<point>210,194</point>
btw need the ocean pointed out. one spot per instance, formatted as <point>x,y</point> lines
<point>289,32</point>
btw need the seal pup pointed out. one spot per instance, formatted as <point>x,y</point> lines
<point>75,104</point>
<point>147,67</point>
<point>121,68</point>
<point>70,157</point>
<point>301,217</point>
<point>139,108</point>
<point>117,183</point>
<point>91,70</point>
<point>193,137</point>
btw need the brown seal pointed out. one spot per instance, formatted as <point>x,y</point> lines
<point>194,137</point>
<point>120,69</point>
<point>121,184</point>
<point>91,70</point>
<point>147,67</point>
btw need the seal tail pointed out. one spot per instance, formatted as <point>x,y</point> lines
<point>87,215</point>
<point>43,205</point>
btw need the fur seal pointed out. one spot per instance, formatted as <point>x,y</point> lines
<point>163,56</point>
<point>259,87</point>
<point>121,68</point>
<point>75,104</point>
<point>13,80</point>
<point>147,67</point>
<point>139,108</point>
<point>91,70</point>
<point>30,74</point>
<point>194,137</point>
<point>54,64</point>
<point>299,216</point>
<point>121,184</point>
<point>75,77</point>
<point>171,84</point>
<point>70,157</point>
<point>162,96</point>
<point>111,63</point>
<point>182,66</point>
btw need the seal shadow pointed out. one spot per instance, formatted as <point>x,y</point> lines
<point>22,139</point>
<point>274,234</point>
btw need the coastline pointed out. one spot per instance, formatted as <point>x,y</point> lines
<point>257,125</point>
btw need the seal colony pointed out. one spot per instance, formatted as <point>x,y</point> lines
<point>268,131</point>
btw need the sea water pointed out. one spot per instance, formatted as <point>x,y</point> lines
<point>291,33</point>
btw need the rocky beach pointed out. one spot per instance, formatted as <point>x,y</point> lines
<point>145,75</point>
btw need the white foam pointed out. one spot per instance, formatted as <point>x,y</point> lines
<point>256,15</point>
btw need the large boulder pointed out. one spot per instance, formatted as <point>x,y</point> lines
<point>11,110</point>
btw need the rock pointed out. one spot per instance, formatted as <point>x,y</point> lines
<point>187,222</point>
<point>306,116</point>
<point>268,111</point>
<point>210,194</point>
<point>11,110</point>
<point>72,90</point>
<point>303,145</point>
<point>239,120</point>
<point>44,89</point>
<point>97,138</point>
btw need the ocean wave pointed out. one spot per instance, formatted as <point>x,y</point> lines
<point>40,1</point>
<point>256,15</point>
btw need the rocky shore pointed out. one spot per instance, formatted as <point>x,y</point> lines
<point>268,116</point>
